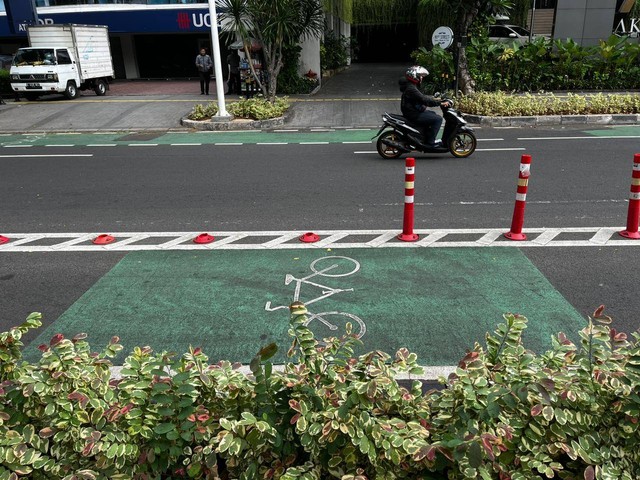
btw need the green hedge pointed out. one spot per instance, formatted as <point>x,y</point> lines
<point>5,84</point>
<point>503,104</point>
<point>506,413</point>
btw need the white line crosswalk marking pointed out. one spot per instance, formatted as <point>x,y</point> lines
<point>489,237</point>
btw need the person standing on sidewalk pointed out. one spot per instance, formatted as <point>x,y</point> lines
<point>204,65</point>
<point>233,59</point>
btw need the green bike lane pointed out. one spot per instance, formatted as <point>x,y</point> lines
<point>436,302</point>
<point>185,138</point>
<point>240,137</point>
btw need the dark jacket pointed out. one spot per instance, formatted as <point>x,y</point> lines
<point>413,101</point>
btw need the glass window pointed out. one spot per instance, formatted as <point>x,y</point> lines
<point>2,6</point>
<point>34,56</point>
<point>63,57</point>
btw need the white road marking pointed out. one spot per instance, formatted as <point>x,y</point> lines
<point>499,149</point>
<point>223,144</point>
<point>272,143</point>
<point>335,239</point>
<point>47,156</point>
<point>102,145</point>
<point>606,137</point>
<point>186,144</point>
<point>17,146</point>
<point>314,143</point>
<point>61,145</point>
<point>142,145</point>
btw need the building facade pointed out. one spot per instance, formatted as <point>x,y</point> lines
<point>149,38</point>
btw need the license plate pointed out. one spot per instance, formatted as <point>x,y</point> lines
<point>33,85</point>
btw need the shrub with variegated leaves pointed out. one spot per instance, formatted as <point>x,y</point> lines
<point>505,413</point>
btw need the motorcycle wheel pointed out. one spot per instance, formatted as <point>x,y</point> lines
<point>387,151</point>
<point>462,144</point>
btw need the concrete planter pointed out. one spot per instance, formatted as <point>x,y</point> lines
<point>232,124</point>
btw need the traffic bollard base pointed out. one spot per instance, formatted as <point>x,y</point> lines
<point>204,238</point>
<point>408,237</point>
<point>630,235</point>
<point>519,237</point>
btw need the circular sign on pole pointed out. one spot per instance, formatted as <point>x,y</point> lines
<point>442,36</point>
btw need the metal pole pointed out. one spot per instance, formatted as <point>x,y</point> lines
<point>217,62</point>
<point>533,16</point>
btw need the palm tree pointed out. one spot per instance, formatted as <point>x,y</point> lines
<point>466,12</point>
<point>273,23</point>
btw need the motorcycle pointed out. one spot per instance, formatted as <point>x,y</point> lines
<point>458,138</point>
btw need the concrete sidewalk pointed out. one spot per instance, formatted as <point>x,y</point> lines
<point>356,97</point>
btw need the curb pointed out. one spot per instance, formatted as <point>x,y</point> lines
<point>532,121</point>
<point>234,124</point>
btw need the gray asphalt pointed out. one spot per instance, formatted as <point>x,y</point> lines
<point>355,97</point>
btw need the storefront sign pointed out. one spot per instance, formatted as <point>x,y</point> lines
<point>19,14</point>
<point>624,24</point>
<point>122,21</point>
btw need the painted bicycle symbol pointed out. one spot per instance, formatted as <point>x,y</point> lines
<point>332,267</point>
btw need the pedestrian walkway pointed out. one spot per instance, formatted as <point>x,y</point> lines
<point>355,97</point>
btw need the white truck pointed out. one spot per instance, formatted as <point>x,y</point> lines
<point>62,59</point>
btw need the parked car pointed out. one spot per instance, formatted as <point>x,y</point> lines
<point>509,34</point>
<point>5,61</point>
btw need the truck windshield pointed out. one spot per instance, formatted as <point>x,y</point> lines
<point>35,56</point>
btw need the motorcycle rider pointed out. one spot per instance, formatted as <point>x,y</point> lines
<point>414,105</point>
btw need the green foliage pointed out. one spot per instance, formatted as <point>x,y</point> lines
<point>289,81</point>
<point>334,51</point>
<point>503,104</point>
<point>259,108</point>
<point>505,412</point>
<point>342,9</point>
<point>542,65</point>
<point>256,108</point>
<point>384,12</point>
<point>5,84</point>
<point>203,112</point>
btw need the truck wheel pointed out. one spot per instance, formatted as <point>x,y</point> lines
<point>100,88</point>
<point>71,91</point>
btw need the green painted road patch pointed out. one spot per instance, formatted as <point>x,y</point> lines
<point>436,302</point>
<point>187,138</point>
<point>618,131</point>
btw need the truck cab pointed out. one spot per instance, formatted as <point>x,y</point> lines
<point>36,71</point>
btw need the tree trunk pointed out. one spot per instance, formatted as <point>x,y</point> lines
<point>466,84</point>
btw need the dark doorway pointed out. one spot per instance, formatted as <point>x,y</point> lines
<point>385,43</point>
<point>168,56</point>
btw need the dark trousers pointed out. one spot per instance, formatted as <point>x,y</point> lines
<point>205,79</point>
<point>429,122</point>
<point>234,83</point>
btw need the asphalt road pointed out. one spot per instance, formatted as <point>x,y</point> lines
<point>581,181</point>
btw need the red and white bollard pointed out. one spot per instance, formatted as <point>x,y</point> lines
<point>521,200</point>
<point>633,214</point>
<point>407,234</point>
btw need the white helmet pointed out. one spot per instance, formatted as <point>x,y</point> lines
<point>416,73</point>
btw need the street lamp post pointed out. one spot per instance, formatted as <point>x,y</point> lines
<point>533,16</point>
<point>217,62</point>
